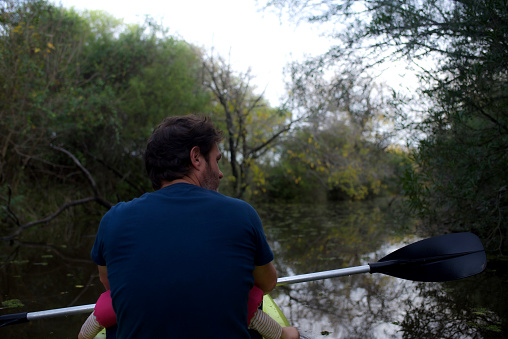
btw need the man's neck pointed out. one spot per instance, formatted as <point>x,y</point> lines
<point>184,180</point>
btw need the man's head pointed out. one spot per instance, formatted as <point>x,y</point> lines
<point>210,174</point>
<point>168,151</point>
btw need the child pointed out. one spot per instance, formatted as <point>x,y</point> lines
<point>104,316</point>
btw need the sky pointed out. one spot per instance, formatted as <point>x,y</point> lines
<point>238,30</point>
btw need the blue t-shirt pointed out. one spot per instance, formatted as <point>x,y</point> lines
<point>180,263</point>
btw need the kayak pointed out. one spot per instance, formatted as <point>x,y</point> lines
<point>269,306</point>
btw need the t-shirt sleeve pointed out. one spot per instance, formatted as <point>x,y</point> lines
<point>97,253</point>
<point>264,254</point>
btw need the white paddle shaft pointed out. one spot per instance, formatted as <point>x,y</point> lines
<point>323,275</point>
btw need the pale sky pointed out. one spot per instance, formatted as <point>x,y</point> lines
<point>236,29</point>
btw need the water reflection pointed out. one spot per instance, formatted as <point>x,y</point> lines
<point>310,239</point>
<point>305,239</point>
<point>468,308</point>
<point>326,237</point>
<point>46,277</point>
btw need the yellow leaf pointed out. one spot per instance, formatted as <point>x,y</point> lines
<point>37,50</point>
<point>50,45</point>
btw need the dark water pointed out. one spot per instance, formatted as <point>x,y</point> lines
<point>305,239</point>
<point>310,239</point>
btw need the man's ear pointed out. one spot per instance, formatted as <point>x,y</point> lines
<point>195,157</point>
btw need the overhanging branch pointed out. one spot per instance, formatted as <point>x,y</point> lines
<point>49,218</point>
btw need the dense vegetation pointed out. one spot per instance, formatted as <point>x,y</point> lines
<point>82,92</point>
<point>73,85</point>
<point>459,119</point>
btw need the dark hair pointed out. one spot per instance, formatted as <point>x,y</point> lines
<point>167,154</point>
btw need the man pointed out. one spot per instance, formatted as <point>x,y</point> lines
<point>181,260</point>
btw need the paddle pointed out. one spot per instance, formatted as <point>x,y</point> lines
<point>442,258</point>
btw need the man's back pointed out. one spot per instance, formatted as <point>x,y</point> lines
<point>180,263</point>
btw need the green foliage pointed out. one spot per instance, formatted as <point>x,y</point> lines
<point>291,181</point>
<point>333,164</point>
<point>341,149</point>
<point>41,100</point>
<point>475,312</point>
<point>81,93</point>
<point>459,178</point>
<point>251,127</point>
<point>169,85</point>
<point>12,303</point>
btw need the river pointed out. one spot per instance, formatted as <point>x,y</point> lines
<point>41,275</point>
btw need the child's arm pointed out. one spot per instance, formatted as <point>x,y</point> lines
<point>90,328</point>
<point>263,323</point>
<point>270,329</point>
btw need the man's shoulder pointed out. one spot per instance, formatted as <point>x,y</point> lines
<point>230,200</point>
<point>181,191</point>
<point>123,206</point>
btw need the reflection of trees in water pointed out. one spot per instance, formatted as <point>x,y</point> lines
<point>305,239</point>
<point>317,238</point>
<point>309,239</point>
<point>377,306</point>
<point>458,309</point>
<point>43,277</point>
<point>362,306</point>
<point>37,271</point>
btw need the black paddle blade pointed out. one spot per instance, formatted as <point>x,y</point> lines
<point>11,319</point>
<point>442,258</point>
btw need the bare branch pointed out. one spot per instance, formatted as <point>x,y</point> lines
<point>80,166</point>
<point>54,250</point>
<point>7,207</point>
<point>97,196</point>
<point>116,172</point>
<point>46,220</point>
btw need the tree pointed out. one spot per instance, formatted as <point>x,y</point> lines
<point>171,84</point>
<point>459,179</point>
<point>342,145</point>
<point>250,125</point>
<point>81,95</point>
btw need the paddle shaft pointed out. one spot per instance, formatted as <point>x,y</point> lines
<point>17,318</point>
<point>342,272</point>
<point>442,258</point>
<point>60,312</point>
